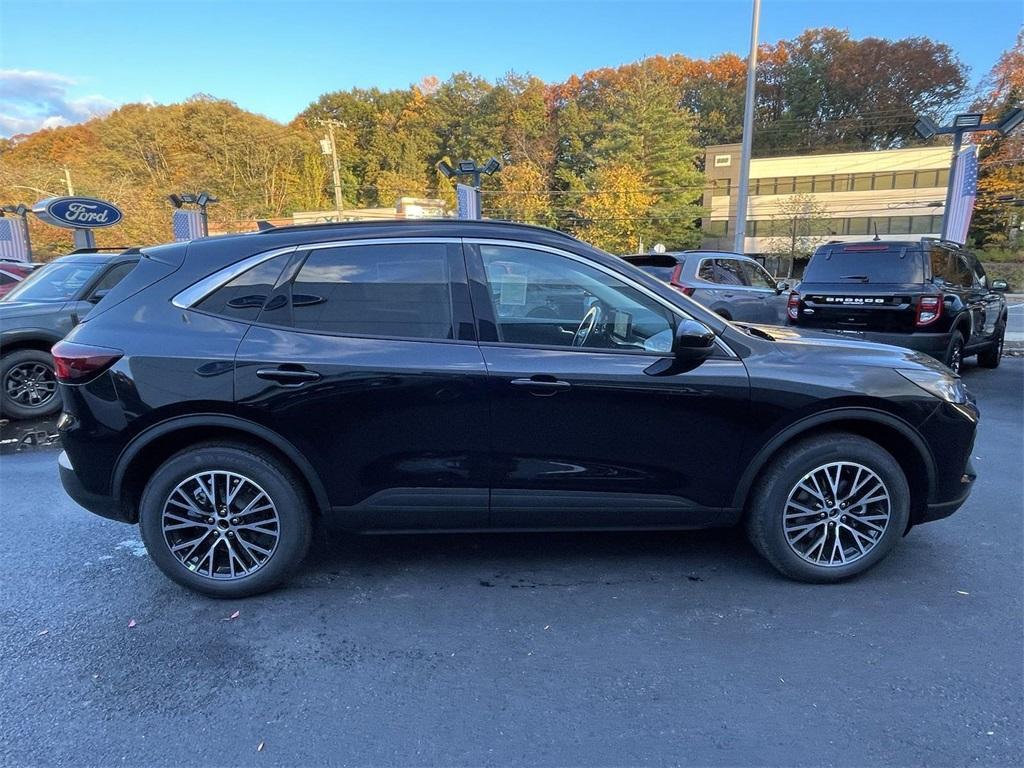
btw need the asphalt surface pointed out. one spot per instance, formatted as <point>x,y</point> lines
<point>568,649</point>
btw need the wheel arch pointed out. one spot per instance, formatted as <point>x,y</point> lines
<point>33,338</point>
<point>893,434</point>
<point>159,442</point>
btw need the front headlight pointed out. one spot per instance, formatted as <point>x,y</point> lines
<point>940,385</point>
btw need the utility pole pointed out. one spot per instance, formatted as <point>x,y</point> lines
<point>67,181</point>
<point>331,124</point>
<point>739,242</point>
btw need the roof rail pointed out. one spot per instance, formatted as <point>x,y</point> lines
<point>108,249</point>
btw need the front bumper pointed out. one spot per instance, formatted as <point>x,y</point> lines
<point>934,344</point>
<point>104,506</point>
<point>939,510</point>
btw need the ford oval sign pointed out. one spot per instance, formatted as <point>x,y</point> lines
<point>81,213</point>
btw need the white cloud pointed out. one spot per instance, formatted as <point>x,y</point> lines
<point>30,100</point>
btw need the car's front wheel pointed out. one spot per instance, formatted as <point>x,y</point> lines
<point>829,507</point>
<point>225,519</point>
<point>28,385</point>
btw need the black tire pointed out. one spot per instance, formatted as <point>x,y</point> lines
<point>279,483</point>
<point>954,358</point>
<point>768,504</point>
<point>992,354</point>
<point>34,367</point>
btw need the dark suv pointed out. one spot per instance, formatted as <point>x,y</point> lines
<point>454,375</point>
<point>38,312</point>
<point>932,296</point>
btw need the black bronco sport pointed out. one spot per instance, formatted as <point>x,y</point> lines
<point>931,296</point>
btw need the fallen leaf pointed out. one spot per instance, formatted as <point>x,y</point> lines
<point>234,615</point>
<point>961,592</point>
<point>259,747</point>
<point>131,624</point>
<point>44,632</point>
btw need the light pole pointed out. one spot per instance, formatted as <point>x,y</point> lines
<point>22,211</point>
<point>740,237</point>
<point>201,199</point>
<point>470,168</point>
<point>967,122</point>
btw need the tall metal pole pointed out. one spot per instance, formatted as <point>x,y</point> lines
<point>958,136</point>
<point>739,241</point>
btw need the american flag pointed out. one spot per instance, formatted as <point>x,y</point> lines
<point>187,225</point>
<point>13,246</point>
<point>965,188</point>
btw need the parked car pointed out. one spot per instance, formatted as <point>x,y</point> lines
<point>932,296</point>
<point>12,273</point>
<point>475,375</point>
<point>38,312</point>
<point>734,286</point>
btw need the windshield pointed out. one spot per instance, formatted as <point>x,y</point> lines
<point>54,282</point>
<point>892,265</point>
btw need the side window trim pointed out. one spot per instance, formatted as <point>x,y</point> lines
<point>474,254</point>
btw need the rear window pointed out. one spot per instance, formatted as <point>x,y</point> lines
<point>656,266</point>
<point>866,264</point>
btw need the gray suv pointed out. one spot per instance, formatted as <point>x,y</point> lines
<point>38,313</point>
<point>734,286</point>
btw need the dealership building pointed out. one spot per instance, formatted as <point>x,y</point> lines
<point>898,193</point>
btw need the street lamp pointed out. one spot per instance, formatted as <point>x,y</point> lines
<point>966,122</point>
<point>20,210</point>
<point>200,199</point>
<point>470,168</point>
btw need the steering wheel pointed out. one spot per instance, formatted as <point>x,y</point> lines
<point>587,325</point>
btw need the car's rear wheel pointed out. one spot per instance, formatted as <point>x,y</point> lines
<point>990,356</point>
<point>829,507</point>
<point>225,519</point>
<point>28,385</point>
<point>955,352</point>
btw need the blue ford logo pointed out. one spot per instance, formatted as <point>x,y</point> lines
<point>82,212</point>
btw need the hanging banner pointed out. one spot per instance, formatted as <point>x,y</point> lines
<point>13,242</point>
<point>468,200</point>
<point>965,190</point>
<point>187,225</point>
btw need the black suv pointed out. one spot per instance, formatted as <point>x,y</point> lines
<point>38,312</point>
<point>931,296</point>
<point>449,375</point>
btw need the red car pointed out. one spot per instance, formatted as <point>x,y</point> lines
<point>12,273</point>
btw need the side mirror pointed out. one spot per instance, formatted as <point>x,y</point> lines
<point>782,285</point>
<point>692,344</point>
<point>1000,285</point>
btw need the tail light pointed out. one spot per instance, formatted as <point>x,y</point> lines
<point>686,290</point>
<point>793,306</point>
<point>929,309</point>
<point>78,363</point>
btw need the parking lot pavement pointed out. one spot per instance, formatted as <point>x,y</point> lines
<point>582,649</point>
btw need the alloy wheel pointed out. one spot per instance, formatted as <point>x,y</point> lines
<point>30,384</point>
<point>220,525</point>
<point>836,514</point>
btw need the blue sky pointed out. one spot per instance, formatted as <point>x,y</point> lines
<point>63,61</point>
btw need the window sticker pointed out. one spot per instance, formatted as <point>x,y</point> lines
<point>512,291</point>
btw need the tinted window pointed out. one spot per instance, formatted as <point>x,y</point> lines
<point>544,299</point>
<point>722,271</point>
<point>399,291</point>
<point>55,282</point>
<point>949,267</point>
<point>112,277</point>
<point>894,264</point>
<point>243,297</point>
<point>756,275</point>
<point>660,267</point>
